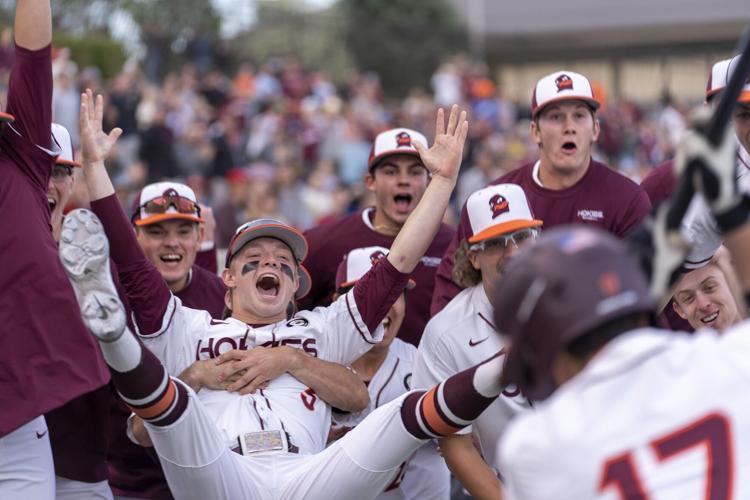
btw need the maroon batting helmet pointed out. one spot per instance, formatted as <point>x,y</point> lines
<point>572,281</point>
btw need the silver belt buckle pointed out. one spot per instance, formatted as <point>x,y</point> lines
<point>256,442</point>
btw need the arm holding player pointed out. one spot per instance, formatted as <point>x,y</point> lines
<point>465,462</point>
<point>245,371</point>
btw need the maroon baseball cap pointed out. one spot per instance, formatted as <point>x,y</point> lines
<point>572,281</point>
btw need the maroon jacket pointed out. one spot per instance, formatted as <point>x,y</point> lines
<point>49,357</point>
<point>602,198</point>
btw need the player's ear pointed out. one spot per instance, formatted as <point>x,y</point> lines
<point>370,180</point>
<point>228,278</point>
<point>678,310</point>
<point>597,128</point>
<point>534,129</point>
<point>473,259</point>
<point>201,232</point>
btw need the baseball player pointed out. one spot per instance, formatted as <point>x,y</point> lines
<point>386,368</point>
<point>704,298</point>
<point>463,334</point>
<point>398,178</point>
<point>48,357</point>
<point>276,429</point>
<point>565,185</point>
<point>627,411</point>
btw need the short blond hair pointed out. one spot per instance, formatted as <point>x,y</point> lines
<point>464,273</point>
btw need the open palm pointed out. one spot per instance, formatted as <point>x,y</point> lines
<point>95,143</point>
<point>443,159</point>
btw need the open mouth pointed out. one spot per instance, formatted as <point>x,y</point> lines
<point>710,318</point>
<point>171,258</point>
<point>402,202</point>
<point>387,324</point>
<point>569,147</point>
<point>52,204</point>
<point>268,285</point>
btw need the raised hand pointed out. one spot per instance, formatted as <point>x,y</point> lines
<point>95,143</point>
<point>443,159</point>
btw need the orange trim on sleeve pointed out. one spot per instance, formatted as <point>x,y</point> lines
<point>433,418</point>
<point>160,406</point>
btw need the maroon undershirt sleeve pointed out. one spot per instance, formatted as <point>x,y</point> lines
<point>377,290</point>
<point>144,286</point>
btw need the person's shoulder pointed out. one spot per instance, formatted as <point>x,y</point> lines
<point>444,234</point>
<point>444,327</point>
<point>604,173</point>
<point>515,176</point>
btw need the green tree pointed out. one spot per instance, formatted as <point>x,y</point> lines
<point>403,41</point>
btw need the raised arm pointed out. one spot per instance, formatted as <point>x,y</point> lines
<point>33,24</point>
<point>443,161</point>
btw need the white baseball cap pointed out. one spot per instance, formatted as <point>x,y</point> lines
<point>165,201</point>
<point>357,262</point>
<point>272,228</point>
<point>562,86</point>
<point>717,78</point>
<point>62,137</point>
<point>497,210</point>
<point>396,141</point>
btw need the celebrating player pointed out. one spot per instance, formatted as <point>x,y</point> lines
<point>628,410</point>
<point>48,357</point>
<point>565,185</point>
<point>193,433</point>
<point>463,334</point>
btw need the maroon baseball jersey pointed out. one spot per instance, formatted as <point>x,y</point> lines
<point>601,198</point>
<point>49,357</point>
<point>330,242</point>
<point>659,183</point>
<point>208,260</point>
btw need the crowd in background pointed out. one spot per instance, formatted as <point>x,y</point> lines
<point>279,139</point>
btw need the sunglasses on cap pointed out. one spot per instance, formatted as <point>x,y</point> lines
<point>161,204</point>
<point>61,172</point>
<point>502,242</point>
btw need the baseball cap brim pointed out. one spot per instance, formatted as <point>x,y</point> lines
<point>287,234</point>
<point>6,118</point>
<point>744,97</point>
<point>392,152</point>
<point>167,216</point>
<point>504,228</point>
<point>592,103</point>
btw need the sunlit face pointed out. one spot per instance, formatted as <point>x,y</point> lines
<point>741,119</point>
<point>565,133</point>
<point>703,298</point>
<point>398,181</point>
<point>59,190</point>
<point>171,246</point>
<point>263,277</point>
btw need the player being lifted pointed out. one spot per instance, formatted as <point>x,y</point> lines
<point>279,429</point>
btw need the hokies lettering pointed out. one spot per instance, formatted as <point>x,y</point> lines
<point>214,347</point>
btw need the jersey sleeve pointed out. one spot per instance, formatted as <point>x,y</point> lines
<point>30,95</point>
<point>638,208</point>
<point>174,342</point>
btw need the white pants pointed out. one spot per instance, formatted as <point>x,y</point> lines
<point>427,477</point>
<point>68,489</point>
<point>26,468</point>
<point>197,463</point>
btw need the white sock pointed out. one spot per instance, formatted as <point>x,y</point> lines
<point>124,354</point>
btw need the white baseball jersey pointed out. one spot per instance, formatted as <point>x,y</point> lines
<point>457,338</point>
<point>654,415</point>
<point>699,226</point>
<point>334,333</point>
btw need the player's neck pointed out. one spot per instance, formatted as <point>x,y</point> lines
<point>254,320</point>
<point>383,224</point>
<point>556,179</point>
<point>370,362</point>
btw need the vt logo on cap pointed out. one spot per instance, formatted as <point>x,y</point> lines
<point>564,82</point>
<point>403,139</point>
<point>499,205</point>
